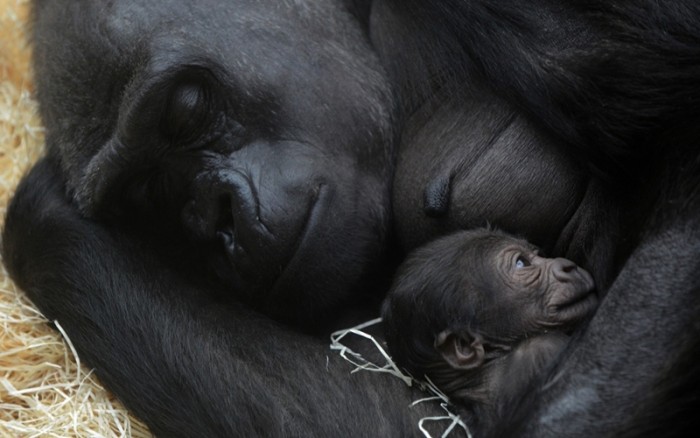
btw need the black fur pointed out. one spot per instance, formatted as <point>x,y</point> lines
<point>173,127</point>
<point>184,361</point>
<point>605,96</point>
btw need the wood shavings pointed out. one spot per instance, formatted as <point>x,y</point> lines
<point>390,367</point>
<point>44,390</point>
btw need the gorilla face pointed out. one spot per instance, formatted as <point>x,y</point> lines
<point>273,155</point>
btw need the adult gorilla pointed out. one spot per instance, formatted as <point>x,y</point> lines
<point>206,159</point>
<point>198,149</point>
<point>243,143</point>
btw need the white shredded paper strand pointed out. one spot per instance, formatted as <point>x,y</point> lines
<point>362,364</point>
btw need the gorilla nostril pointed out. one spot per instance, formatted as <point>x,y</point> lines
<point>226,237</point>
<point>210,216</point>
<point>224,210</point>
<point>563,269</point>
<point>225,225</point>
<point>224,219</point>
<point>569,267</point>
<point>436,197</point>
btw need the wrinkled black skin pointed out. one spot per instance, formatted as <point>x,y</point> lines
<point>141,167</point>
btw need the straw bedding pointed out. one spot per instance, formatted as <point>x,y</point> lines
<point>44,391</point>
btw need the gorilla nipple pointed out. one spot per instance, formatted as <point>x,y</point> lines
<point>436,197</point>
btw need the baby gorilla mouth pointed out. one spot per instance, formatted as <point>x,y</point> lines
<point>576,301</point>
<point>237,226</point>
<point>578,307</point>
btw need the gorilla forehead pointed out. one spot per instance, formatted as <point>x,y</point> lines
<point>258,41</point>
<point>303,69</point>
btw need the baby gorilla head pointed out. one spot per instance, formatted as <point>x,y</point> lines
<point>480,312</point>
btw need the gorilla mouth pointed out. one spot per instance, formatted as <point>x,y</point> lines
<point>580,293</point>
<point>264,264</point>
<point>577,299</point>
<point>225,226</point>
<point>311,222</point>
<point>580,305</point>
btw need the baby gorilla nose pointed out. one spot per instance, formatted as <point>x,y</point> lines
<point>573,292</point>
<point>564,270</point>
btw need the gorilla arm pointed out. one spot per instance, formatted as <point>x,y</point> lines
<point>179,360</point>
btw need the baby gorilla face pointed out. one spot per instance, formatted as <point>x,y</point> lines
<point>539,293</point>
<point>478,295</point>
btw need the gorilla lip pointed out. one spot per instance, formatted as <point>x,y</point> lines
<point>310,223</point>
<point>582,290</point>
<point>577,298</point>
<point>577,307</point>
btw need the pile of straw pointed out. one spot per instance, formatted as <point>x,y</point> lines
<point>44,390</point>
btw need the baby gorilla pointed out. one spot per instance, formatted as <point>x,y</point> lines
<point>480,313</point>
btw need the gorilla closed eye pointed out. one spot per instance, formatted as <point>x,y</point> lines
<point>187,111</point>
<point>193,109</point>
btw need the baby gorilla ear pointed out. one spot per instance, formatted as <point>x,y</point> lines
<point>462,351</point>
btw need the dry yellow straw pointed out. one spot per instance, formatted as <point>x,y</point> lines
<point>44,391</point>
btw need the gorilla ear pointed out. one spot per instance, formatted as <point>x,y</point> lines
<point>460,351</point>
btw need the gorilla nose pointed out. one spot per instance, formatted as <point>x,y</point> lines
<point>436,197</point>
<point>223,206</point>
<point>564,270</point>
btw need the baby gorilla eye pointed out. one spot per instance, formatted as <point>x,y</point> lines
<point>521,262</point>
